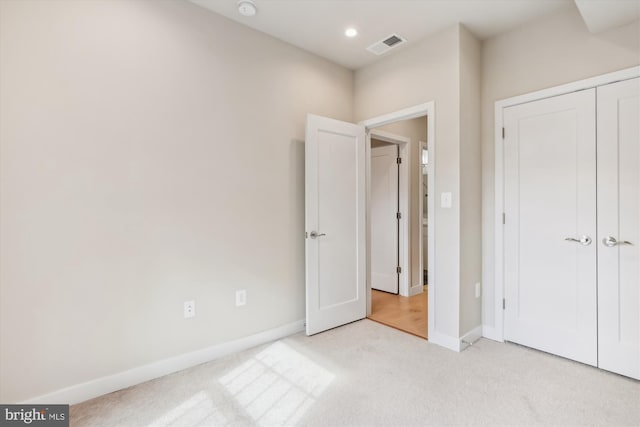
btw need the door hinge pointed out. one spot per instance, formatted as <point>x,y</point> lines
<point>503,133</point>
<point>399,215</point>
<point>399,160</point>
<point>398,270</point>
<point>306,235</point>
<point>504,304</point>
<point>504,218</point>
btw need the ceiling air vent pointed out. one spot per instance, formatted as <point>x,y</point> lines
<point>386,44</point>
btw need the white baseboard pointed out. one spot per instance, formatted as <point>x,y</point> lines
<point>415,290</point>
<point>455,344</point>
<point>100,386</point>
<point>491,333</point>
<point>446,341</point>
<point>470,337</point>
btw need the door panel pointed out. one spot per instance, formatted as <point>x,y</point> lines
<point>335,210</point>
<point>384,224</point>
<point>550,195</point>
<point>619,217</point>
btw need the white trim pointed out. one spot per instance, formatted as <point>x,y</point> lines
<point>403,237</point>
<point>389,137</point>
<point>431,224</point>
<point>498,291</point>
<point>421,145</point>
<point>446,341</point>
<point>367,228</point>
<point>497,331</point>
<point>457,344</point>
<point>430,212</point>
<point>470,337</point>
<point>427,109</point>
<point>404,114</point>
<point>108,384</point>
<point>416,289</point>
<point>491,333</point>
<point>604,79</point>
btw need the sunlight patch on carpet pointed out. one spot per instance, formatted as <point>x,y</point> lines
<point>278,385</point>
<point>197,410</point>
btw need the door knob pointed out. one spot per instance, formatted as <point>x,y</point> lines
<point>611,241</point>
<point>315,234</point>
<point>584,240</point>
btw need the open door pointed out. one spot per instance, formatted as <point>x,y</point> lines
<point>335,223</point>
<point>384,208</point>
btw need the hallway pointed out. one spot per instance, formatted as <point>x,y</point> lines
<point>408,314</point>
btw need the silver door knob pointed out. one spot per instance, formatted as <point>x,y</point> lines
<point>315,234</point>
<point>584,240</point>
<point>611,241</point>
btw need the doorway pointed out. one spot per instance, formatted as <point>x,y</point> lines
<point>338,231</point>
<point>407,308</point>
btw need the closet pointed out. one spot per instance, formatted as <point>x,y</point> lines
<point>572,225</point>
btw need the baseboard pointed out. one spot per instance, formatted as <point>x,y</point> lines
<point>100,386</point>
<point>415,290</point>
<point>470,337</point>
<point>491,333</point>
<point>456,344</point>
<point>446,341</point>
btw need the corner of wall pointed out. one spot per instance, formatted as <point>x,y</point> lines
<point>470,180</point>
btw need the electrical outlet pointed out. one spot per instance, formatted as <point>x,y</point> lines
<point>478,290</point>
<point>189,309</point>
<point>241,297</point>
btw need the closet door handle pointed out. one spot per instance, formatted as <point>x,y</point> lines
<point>611,242</point>
<point>584,240</point>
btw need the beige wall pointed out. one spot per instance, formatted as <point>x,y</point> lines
<point>416,131</point>
<point>547,52</point>
<point>131,179</point>
<point>146,161</point>
<point>446,69</point>
<point>470,182</point>
<point>427,71</point>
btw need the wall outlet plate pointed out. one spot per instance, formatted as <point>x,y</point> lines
<point>478,290</point>
<point>241,297</point>
<point>446,200</point>
<point>189,309</point>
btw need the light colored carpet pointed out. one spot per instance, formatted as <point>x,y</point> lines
<point>367,374</point>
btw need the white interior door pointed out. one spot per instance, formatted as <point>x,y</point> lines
<point>384,222</point>
<point>335,223</point>
<point>619,227</point>
<point>550,207</point>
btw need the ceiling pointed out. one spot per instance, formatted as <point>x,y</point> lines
<point>318,25</point>
<point>601,15</point>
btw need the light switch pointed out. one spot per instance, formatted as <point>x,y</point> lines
<point>446,200</point>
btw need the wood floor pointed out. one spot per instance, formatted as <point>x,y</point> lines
<point>408,314</point>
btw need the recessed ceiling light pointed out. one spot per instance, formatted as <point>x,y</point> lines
<point>351,32</point>
<point>247,7</point>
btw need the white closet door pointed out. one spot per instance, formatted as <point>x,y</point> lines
<point>619,227</point>
<point>384,223</point>
<point>550,196</point>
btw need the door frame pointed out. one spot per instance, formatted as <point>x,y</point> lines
<point>496,332</point>
<point>403,198</point>
<point>421,194</point>
<point>426,109</point>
